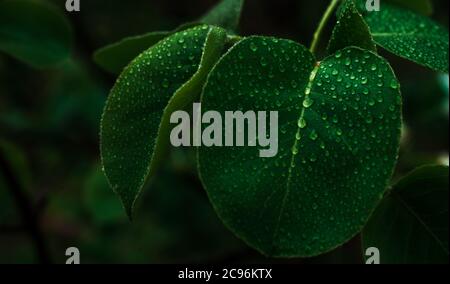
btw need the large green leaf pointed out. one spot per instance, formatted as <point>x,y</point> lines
<point>339,134</point>
<point>113,58</point>
<point>411,224</point>
<point>34,32</point>
<point>135,123</point>
<point>350,30</point>
<point>410,35</point>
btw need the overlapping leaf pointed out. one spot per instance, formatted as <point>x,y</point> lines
<point>113,58</point>
<point>226,14</point>
<point>135,122</point>
<point>350,30</point>
<point>34,32</point>
<point>410,35</point>
<point>339,126</point>
<point>415,212</point>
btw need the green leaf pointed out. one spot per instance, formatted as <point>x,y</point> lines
<point>411,36</point>
<point>425,7</point>
<point>411,224</point>
<point>226,14</point>
<point>34,32</point>
<point>135,123</point>
<point>339,134</point>
<point>113,58</point>
<point>350,30</point>
<point>103,206</point>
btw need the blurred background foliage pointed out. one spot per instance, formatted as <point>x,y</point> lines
<point>49,124</point>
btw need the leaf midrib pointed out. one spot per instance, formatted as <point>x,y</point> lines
<point>309,86</point>
<point>406,34</point>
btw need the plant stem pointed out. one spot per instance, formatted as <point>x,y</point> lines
<point>323,22</point>
<point>29,218</point>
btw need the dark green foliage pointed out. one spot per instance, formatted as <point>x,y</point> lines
<point>328,193</point>
<point>415,212</point>
<point>339,118</point>
<point>34,32</point>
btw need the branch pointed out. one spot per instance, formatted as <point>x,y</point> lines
<point>29,219</point>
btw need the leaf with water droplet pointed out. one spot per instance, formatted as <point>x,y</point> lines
<point>114,57</point>
<point>411,224</point>
<point>34,32</point>
<point>410,35</point>
<point>268,202</point>
<point>135,123</point>
<point>424,7</point>
<point>350,30</point>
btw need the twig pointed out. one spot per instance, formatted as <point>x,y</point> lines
<point>29,219</point>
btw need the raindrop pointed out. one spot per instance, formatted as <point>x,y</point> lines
<point>308,102</point>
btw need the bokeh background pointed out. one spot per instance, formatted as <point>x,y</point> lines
<point>49,125</point>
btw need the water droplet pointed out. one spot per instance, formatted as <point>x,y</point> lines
<point>347,61</point>
<point>253,47</point>
<point>313,135</point>
<point>263,62</point>
<point>308,102</point>
<point>394,84</point>
<point>302,123</point>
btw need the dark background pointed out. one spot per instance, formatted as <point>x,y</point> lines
<point>49,124</point>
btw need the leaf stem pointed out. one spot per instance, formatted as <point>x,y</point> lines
<point>323,22</point>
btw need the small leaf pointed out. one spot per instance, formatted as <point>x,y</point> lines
<point>113,58</point>
<point>350,30</point>
<point>34,32</point>
<point>339,125</point>
<point>411,36</point>
<point>226,14</point>
<point>135,123</point>
<point>411,224</point>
